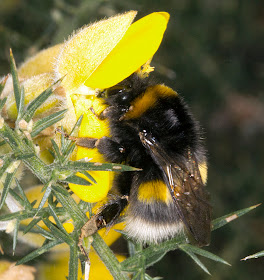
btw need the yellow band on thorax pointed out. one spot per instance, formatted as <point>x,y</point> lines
<point>148,100</point>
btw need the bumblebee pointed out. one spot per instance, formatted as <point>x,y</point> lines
<point>153,129</point>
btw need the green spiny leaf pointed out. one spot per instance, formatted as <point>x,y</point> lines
<point>74,179</point>
<point>57,220</point>
<point>195,258</point>
<point>20,214</point>
<point>16,197</point>
<point>36,103</point>
<point>77,166</point>
<point>33,203</point>
<point>52,153</point>
<point>138,274</point>
<point>38,230</point>
<point>131,248</point>
<point>204,253</point>
<point>2,85</point>
<point>2,103</point>
<point>46,122</point>
<point>108,257</point>
<point>45,197</point>
<point>58,233</point>
<point>152,254</point>
<point>27,204</point>
<point>60,189</point>
<point>67,153</point>
<point>73,263</point>
<point>70,204</point>
<point>254,256</point>
<point>24,156</point>
<point>6,164</point>
<point>15,234</point>
<point>48,235</point>
<point>147,277</point>
<point>7,184</point>
<point>63,138</point>
<point>220,222</point>
<point>56,150</point>
<point>85,173</point>
<point>20,109</point>
<point>65,145</point>
<point>16,85</point>
<point>25,214</point>
<point>10,137</point>
<point>31,225</point>
<point>77,125</point>
<point>43,249</point>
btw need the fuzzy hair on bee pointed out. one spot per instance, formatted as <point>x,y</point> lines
<point>153,129</point>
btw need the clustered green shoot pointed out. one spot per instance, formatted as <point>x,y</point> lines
<point>55,178</point>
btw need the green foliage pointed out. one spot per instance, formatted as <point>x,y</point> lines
<point>254,256</point>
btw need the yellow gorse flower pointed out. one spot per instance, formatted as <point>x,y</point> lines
<point>97,56</point>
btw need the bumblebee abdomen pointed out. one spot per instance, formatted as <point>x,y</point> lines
<point>144,231</point>
<point>152,216</point>
<point>152,222</point>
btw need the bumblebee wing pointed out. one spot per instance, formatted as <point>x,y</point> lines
<point>186,187</point>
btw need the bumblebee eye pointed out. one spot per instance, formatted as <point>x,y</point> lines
<point>125,96</point>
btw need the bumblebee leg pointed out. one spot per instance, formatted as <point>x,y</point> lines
<point>92,226</point>
<point>102,116</point>
<point>80,141</point>
<point>111,149</point>
<point>106,217</point>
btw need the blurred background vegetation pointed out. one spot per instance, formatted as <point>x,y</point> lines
<point>213,54</point>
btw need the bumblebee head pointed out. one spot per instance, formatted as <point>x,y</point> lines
<point>126,91</point>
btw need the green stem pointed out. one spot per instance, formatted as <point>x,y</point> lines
<point>73,263</point>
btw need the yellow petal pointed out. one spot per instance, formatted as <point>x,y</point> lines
<point>92,127</point>
<point>42,62</point>
<point>69,227</point>
<point>86,49</point>
<point>94,192</point>
<point>98,269</point>
<point>138,45</point>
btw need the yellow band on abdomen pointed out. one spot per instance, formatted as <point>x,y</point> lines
<point>152,191</point>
